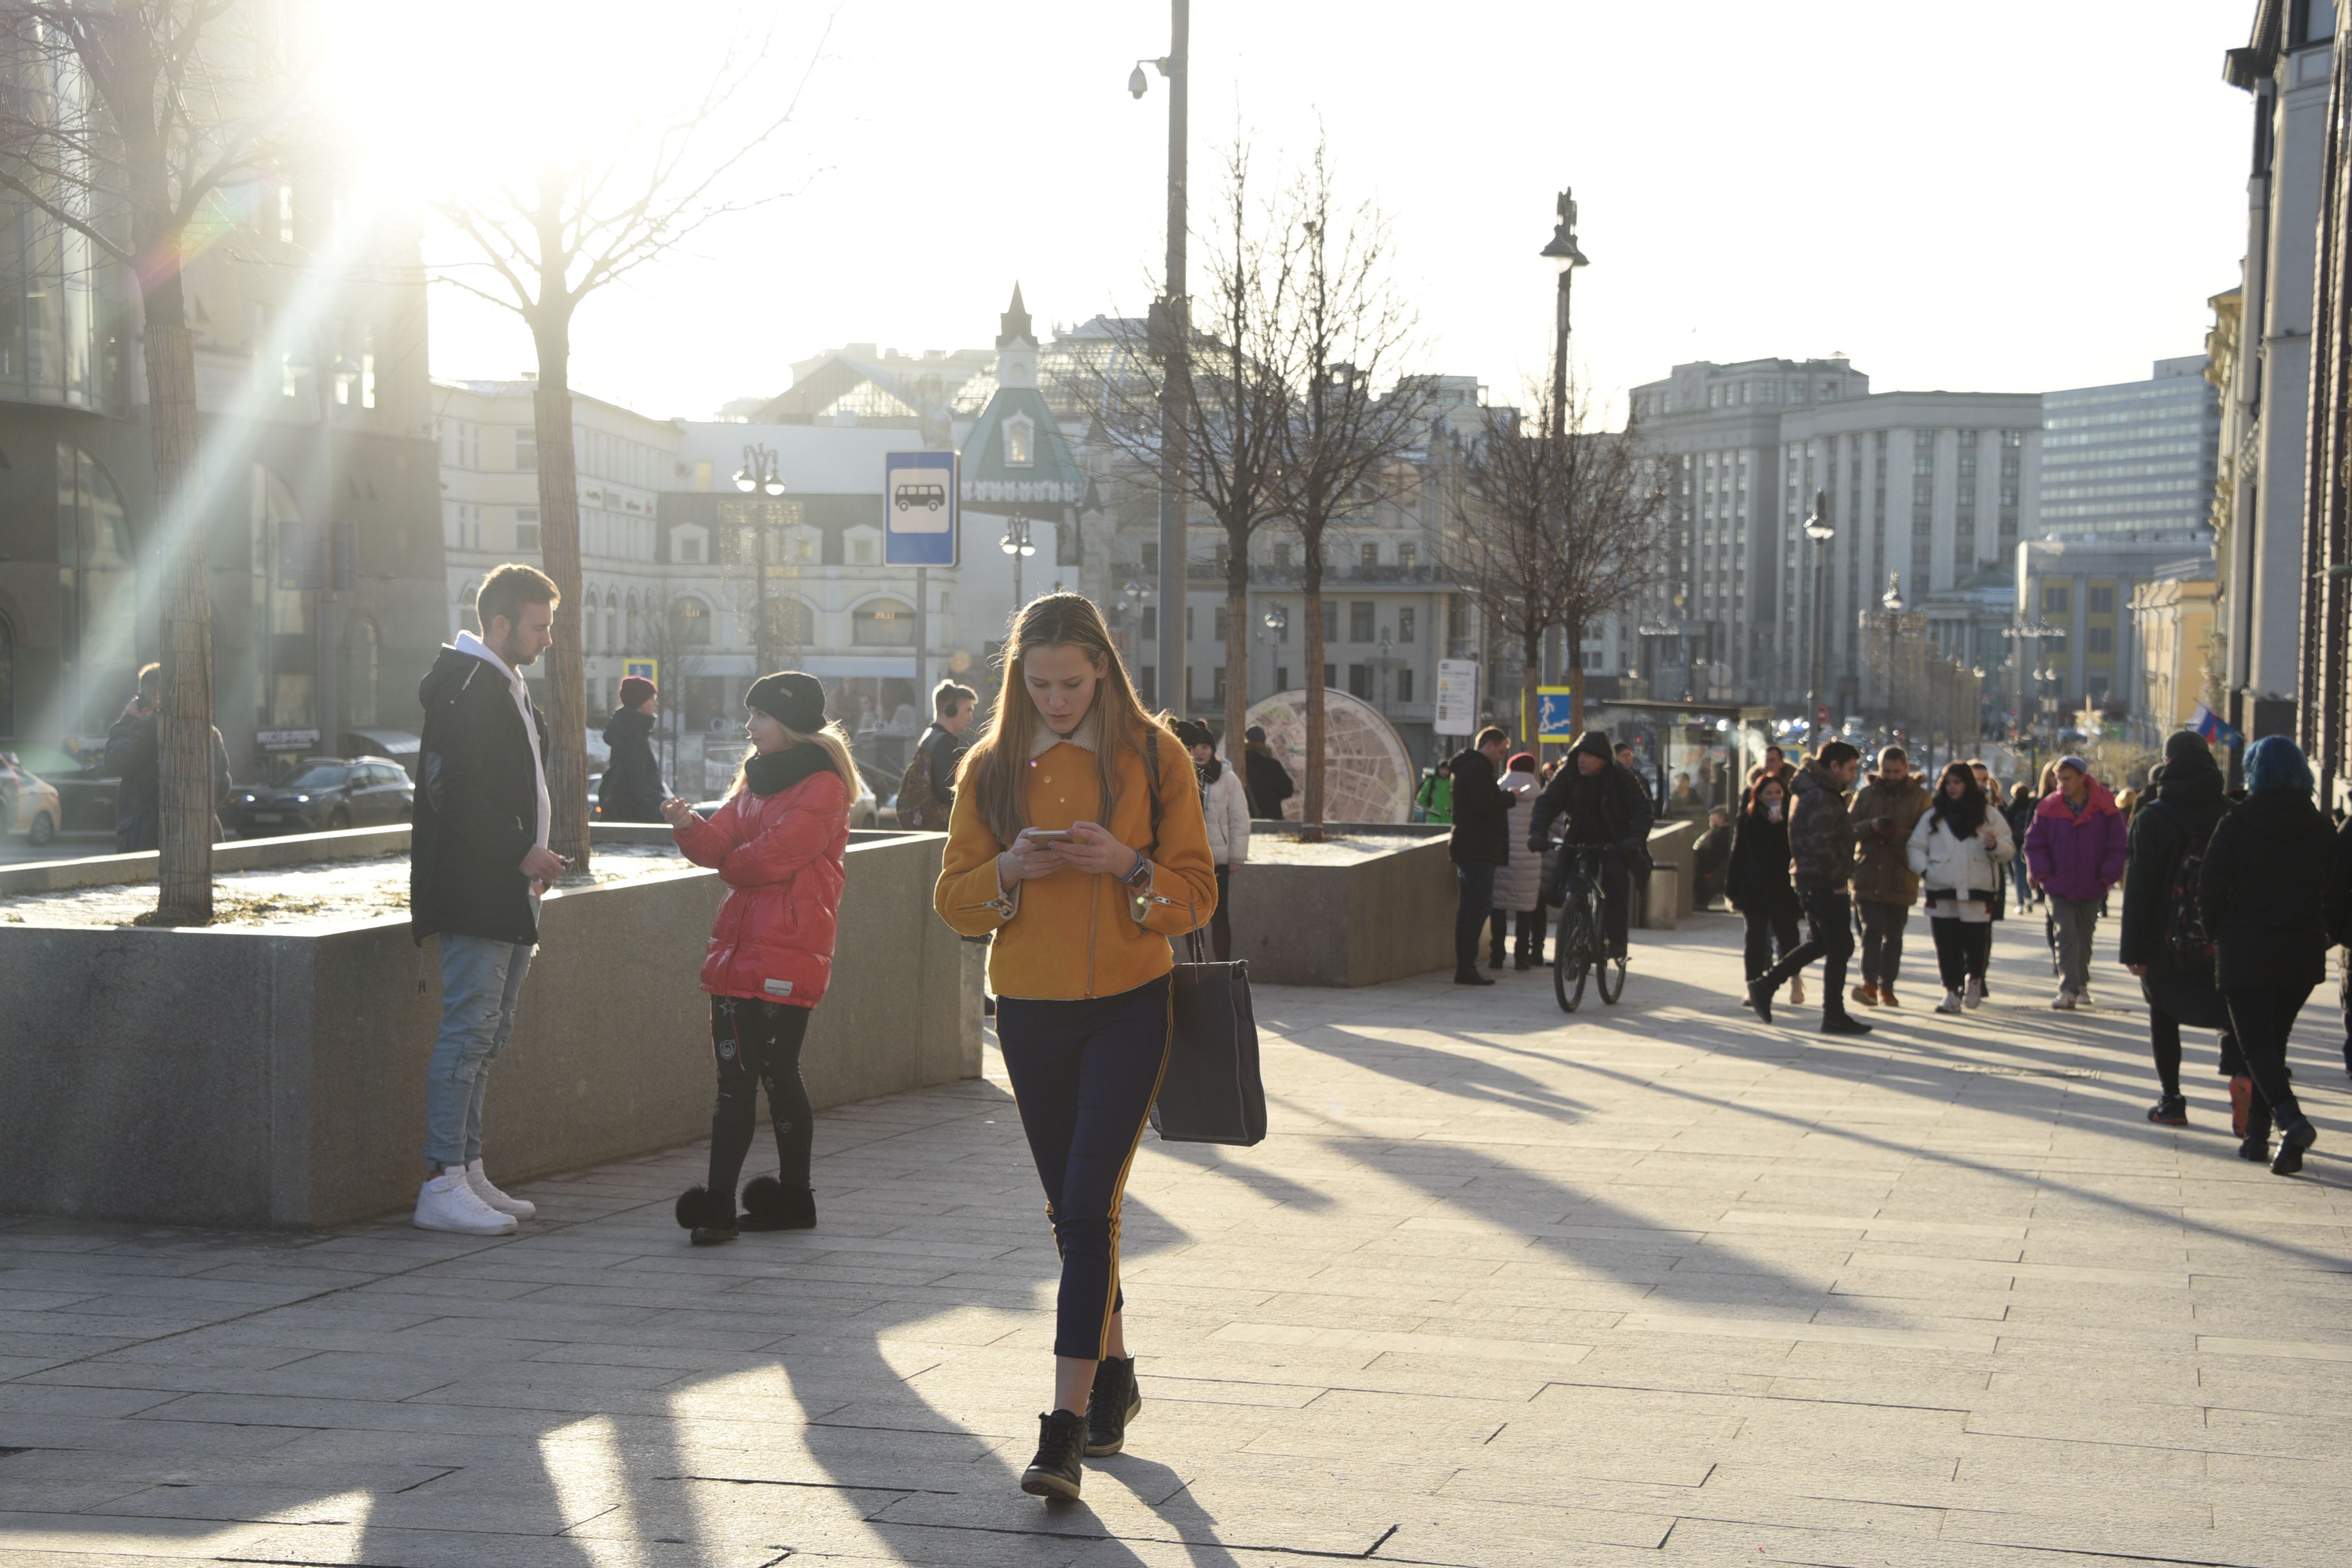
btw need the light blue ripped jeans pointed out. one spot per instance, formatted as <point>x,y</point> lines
<point>480,980</point>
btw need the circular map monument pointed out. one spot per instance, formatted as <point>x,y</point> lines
<point>1367,777</point>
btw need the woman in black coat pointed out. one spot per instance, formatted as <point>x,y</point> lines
<point>1756,877</point>
<point>2264,895</point>
<point>2176,818</point>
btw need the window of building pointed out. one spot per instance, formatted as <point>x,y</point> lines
<point>1151,555</point>
<point>690,623</point>
<point>1282,555</point>
<point>1331,677</point>
<point>526,528</point>
<point>802,546</point>
<point>1217,686</point>
<point>1408,554</point>
<point>1360,681</point>
<point>1360,621</point>
<point>1456,619</point>
<point>689,546</point>
<point>1406,617</point>
<point>2098,639</point>
<point>1147,624</point>
<point>865,550</point>
<point>526,449</point>
<point>1282,678</point>
<point>883,623</point>
<point>1217,624</point>
<point>1019,434</point>
<point>2099,600</point>
<point>2057,598</point>
<point>1368,554</point>
<point>1405,685</point>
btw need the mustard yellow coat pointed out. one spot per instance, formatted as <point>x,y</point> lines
<point>1073,934</point>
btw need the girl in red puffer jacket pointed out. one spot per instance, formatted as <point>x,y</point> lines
<point>777,843</point>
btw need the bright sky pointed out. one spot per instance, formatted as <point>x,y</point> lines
<point>2001,197</point>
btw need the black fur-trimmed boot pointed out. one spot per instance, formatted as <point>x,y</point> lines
<point>769,1205</point>
<point>710,1219</point>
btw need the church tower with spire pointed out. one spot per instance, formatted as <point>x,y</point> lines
<point>1016,346</point>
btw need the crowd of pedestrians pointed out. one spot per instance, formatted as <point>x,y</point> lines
<point>1085,835</point>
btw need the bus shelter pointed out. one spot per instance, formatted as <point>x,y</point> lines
<point>1694,756</point>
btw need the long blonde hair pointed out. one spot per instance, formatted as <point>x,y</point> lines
<point>832,738</point>
<point>993,771</point>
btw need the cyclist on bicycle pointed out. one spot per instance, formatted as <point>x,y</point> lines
<point>1601,803</point>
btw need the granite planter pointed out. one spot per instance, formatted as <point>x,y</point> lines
<point>245,1077</point>
<point>1377,903</point>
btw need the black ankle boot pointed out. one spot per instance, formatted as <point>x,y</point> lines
<point>711,1218</point>
<point>1058,1469</point>
<point>1114,1403</point>
<point>2293,1142</point>
<point>769,1205</point>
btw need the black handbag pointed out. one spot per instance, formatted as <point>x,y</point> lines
<point>1211,1093</point>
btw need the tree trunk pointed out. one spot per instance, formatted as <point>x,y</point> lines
<point>559,544</point>
<point>1532,688</point>
<point>1237,644</point>
<point>1310,804</point>
<point>184,760</point>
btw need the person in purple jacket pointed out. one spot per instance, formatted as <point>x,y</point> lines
<point>2074,852</point>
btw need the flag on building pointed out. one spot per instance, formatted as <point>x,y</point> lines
<point>2213,728</point>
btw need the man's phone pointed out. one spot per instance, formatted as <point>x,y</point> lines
<point>1048,834</point>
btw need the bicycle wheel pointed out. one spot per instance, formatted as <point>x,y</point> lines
<point>1612,980</point>
<point>1569,963</point>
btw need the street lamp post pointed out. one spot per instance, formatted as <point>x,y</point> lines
<point>1277,621</point>
<point>1017,544</point>
<point>759,475</point>
<point>1819,529</point>
<point>1176,324</point>
<point>1564,255</point>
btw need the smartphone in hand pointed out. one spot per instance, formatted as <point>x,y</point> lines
<point>1048,834</point>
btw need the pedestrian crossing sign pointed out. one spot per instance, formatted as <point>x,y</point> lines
<point>1556,715</point>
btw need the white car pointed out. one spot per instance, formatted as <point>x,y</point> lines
<point>28,805</point>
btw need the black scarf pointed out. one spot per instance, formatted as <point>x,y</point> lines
<point>775,771</point>
<point>1962,818</point>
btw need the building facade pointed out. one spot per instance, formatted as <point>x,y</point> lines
<point>2172,622</point>
<point>2083,592</point>
<point>2135,460</point>
<point>2286,67</point>
<point>1927,492</point>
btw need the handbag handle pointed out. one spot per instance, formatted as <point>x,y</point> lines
<point>1194,945</point>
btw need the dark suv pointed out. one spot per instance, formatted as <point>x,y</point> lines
<point>326,795</point>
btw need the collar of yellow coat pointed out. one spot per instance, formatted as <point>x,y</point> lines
<point>1045,740</point>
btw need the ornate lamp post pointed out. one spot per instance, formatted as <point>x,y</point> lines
<point>1016,543</point>
<point>1276,622</point>
<point>758,471</point>
<point>1175,324</point>
<point>1819,529</point>
<point>1563,254</point>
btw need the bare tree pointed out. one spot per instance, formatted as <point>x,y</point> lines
<point>1231,393</point>
<point>575,226</point>
<point>128,123</point>
<point>1344,446</point>
<point>1550,532</point>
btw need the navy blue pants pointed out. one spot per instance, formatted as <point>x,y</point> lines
<point>1083,1074</point>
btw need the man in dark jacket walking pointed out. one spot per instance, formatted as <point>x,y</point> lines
<point>1265,780</point>
<point>2163,942</point>
<point>1603,805</point>
<point>134,755</point>
<point>479,862</point>
<point>632,790</point>
<point>1885,811</point>
<point>1820,849</point>
<point>1481,842</point>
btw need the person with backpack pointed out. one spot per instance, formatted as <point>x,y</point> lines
<point>927,789</point>
<point>2164,941</point>
<point>2022,803</point>
<point>778,844</point>
<point>1957,849</point>
<point>2263,894</point>
<point>1435,801</point>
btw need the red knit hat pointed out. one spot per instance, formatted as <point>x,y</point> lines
<point>635,689</point>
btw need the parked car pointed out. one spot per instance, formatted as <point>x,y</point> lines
<point>28,804</point>
<point>85,793</point>
<point>326,795</point>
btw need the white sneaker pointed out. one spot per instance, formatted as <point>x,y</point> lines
<point>1950,1004</point>
<point>2063,1003</point>
<point>521,1208</point>
<point>1973,997</point>
<point>2082,999</point>
<point>446,1203</point>
<point>1797,992</point>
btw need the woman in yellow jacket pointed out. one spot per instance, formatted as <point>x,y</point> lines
<point>1077,839</point>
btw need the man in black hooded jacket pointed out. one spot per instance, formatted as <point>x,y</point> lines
<point>1604,806</point>
<point>632,790</point>
<point>2188,804</point>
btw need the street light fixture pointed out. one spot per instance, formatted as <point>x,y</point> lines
<point>1819,529</point>
<point>1018,545</point>
<point>759,472</point>
<point>1563,254</point>
<point>1173,311</point>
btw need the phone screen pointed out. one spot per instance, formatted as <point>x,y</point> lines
<point>1048,834</point>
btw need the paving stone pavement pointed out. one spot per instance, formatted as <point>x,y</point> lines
<point>1651,1284</point>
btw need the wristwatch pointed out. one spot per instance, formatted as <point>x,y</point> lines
<point>1142,875</point>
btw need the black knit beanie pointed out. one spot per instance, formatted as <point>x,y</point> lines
<point>792,700</point>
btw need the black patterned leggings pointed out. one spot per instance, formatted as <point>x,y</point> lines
<point>757,1043</point>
